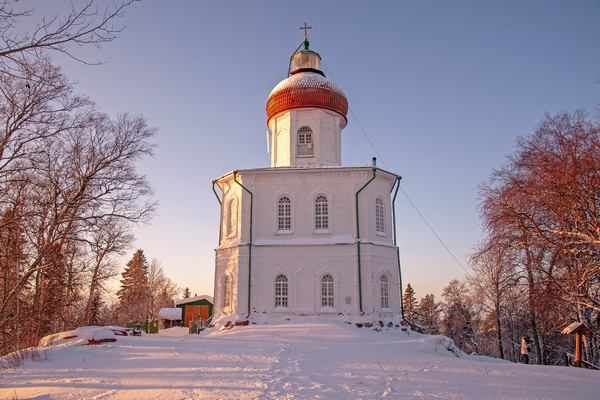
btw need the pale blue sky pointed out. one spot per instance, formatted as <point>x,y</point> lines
<point>441,88</point>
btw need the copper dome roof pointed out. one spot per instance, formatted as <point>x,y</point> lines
<point>306,89</point>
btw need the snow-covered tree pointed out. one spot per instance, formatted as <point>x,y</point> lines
<point>428,315</point>
<point>459,320</point>
<point>95,310</point>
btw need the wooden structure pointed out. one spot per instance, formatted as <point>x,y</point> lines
<point>199,308</point>
<point>579,329</point>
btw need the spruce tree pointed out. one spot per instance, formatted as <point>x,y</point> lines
<point>186,293</point>
<point>134,293</point>
<point>410,304</point>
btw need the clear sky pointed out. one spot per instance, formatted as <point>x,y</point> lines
<point>442,89</point>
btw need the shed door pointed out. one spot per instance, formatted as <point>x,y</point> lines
<point>191,314</point>
<point>204,313</point>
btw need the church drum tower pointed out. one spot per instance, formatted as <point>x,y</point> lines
<point>307,236</point>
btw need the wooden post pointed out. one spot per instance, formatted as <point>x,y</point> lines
<point>579,329</point>
<point>578,349</point>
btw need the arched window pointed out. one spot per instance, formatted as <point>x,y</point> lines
<point>327,291</point>
<point>284,214</point>
<point>232,218</point>
<point>321,213</point>
<point>281,291</point>
<point>305,141</point>
<point>227,291</point>
<point>379,216</point>
<point>385,292</point>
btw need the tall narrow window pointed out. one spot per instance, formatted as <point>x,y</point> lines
<point>284,214</point>
<point>327,291</point>
<point>379,216</point>
<point>321,213</point>
<point>281,291</point>
<point>305,141</point>
<point>227,291</point>
<point>232,218</point>
<point>384,289</point>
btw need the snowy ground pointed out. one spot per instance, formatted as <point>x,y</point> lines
<point>304,358</point>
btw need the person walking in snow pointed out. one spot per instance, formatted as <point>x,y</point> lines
<point>525,349</point>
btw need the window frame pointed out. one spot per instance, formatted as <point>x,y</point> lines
<point>308,147</point>
<point>283,222</point>
<point>380,216</point>
<point>231,223</point>
<point>281,292</point>
<point>384,292</point>
<point>227,289</point>
<point>327,293</point>
<point>319,216</point>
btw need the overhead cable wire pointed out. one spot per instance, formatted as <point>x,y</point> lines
<point>405,194</point>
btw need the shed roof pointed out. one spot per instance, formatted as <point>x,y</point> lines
<point>193,299</point>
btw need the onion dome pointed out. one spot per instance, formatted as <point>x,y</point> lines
<point>307,87</point>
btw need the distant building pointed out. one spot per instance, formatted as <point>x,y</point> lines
<point>194,308</point>
<point>307,236</point>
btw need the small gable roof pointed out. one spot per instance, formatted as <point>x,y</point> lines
<point>576,327</point>
<point>193,299</point>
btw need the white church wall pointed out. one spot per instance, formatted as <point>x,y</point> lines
<point>375,261</point>
<point>302,254</point>
<point>326,127</point>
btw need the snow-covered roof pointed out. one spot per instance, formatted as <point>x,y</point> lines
<point>193,299</point>
<point>576,327</point>
<point>171,314</point>
<point>307,90</point>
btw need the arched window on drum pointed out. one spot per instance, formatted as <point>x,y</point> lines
<point>305,142</point>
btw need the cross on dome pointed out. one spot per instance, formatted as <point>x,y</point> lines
<point>306,30</point>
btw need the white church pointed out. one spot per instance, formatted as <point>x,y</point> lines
<point>307,236</point>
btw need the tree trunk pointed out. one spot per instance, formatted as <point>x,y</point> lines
<point>532,314</point>
<point>499,330</point>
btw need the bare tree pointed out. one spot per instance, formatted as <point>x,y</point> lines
<point>109,237</point>
<point>69,189</point>
<point>163,290</point>
<point>542,209</point>
<point>81,178</point>
<point>548,195</point>
<point>88,24</point>
<point>494,276</point>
